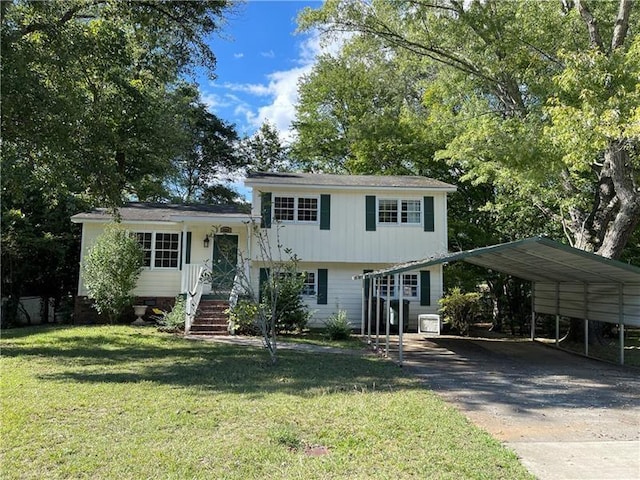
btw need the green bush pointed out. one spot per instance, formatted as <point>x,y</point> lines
<point>338,327</point>
<point>244,317</point>
<point>111,270</point>
<point>174,320</point>
<point>292,314</point>
<point>460,309</point>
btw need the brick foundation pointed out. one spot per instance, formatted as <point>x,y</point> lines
<point>83,311</point>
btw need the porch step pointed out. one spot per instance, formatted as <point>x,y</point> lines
<point>211,318</point>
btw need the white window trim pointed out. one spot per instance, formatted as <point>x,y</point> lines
<point>315,284</point>
<point>296,198</point>
<point>399,211</point>
<point>153,249</point>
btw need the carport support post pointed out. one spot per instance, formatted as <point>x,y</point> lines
<point>364,305</point>
<point>621,321</point>
<point>387,327</point>
<point>370,301</point>
<point>400,317</point>
<point>533,310</point>
<point>378,313</point>
<point>586,321</point>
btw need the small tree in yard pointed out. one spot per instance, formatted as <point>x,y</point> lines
<point>277,306</point>
<point>111,270</point>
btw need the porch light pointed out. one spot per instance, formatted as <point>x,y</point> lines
<point>206,241</point>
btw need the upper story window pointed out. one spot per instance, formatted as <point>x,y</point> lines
<point>397,211</point>
<point>161,250</point>
<point>295,209</point>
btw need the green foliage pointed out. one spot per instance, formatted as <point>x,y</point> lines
<point>282,294</point>
<point>173,320</point>
<point>264,151</point>
<point>244,317</point>
<point>528,100</point>
<point>111,270</point>
<point>460,309</point>
<point>337,327</point>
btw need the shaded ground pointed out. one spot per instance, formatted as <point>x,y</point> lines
<point>565,415</point>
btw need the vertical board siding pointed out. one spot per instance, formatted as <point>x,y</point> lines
<point>602,301</point>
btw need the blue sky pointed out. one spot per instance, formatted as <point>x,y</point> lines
<point>259,62</point>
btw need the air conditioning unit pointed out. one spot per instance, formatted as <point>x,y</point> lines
<point>429,323</point>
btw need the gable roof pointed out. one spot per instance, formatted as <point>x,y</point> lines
<point>353,181</point>
<point>162,212</point>
<point>536,259</point>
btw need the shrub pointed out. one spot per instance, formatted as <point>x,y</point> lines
<point>174,320</point>
<point>338,327</point>
<point>111,270</point>
<point>292,314</point>
<point>460,309</point>
<point>244,317</point>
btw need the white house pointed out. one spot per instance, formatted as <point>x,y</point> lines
<point>337,225</point>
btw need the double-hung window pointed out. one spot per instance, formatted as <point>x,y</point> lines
<point>410,286</point>
<point>161,250</point>
<point>295,209</point>
<point>309,287</point>
<point>398,211</point>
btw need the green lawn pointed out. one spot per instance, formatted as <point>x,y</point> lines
<point>118,402</point>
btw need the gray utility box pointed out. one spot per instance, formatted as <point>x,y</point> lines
<point>429,323</point>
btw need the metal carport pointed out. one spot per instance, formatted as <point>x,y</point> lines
<point>565,281</point>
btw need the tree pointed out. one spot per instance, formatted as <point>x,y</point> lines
<point>265,152</point>
<point>97,79</point>
<point>111,270</point>
<point>540,99</point>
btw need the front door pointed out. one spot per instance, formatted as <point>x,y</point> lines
<point>224,263</point>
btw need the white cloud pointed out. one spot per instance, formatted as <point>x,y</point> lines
<point>269,54</point>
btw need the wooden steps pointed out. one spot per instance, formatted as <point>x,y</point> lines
<point>211,318</point>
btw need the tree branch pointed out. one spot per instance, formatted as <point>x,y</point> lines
<point>592,25</point>
<point>622,24</point>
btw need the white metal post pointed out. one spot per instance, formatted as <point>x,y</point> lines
<point>369,301</point>
<point>388,312</point>
<point>533,310</point>
<point>364,305</point>
<point>400,318</point>
<point>586,320</point>
<point>378,313</point>
<point>621,321</point>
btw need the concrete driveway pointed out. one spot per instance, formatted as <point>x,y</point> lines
<point>567,417</point>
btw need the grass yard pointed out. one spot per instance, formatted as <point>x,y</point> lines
<point>125,403</point>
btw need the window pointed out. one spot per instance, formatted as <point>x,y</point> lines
<point>394,212</point>
<point>162,250</point>
<point>309,284</point>
<point>284,209</point>
<point>295,209</point>
<point>167,250</point>
<point>410,286</point>
<point>144,239</point>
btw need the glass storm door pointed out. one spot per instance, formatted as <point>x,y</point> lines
<point>224,263</point>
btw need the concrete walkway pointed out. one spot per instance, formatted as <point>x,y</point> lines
<point>566,417</point>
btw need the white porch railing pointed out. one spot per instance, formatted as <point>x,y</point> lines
<point>194,294</point>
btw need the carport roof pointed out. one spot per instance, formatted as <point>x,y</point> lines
<point>536,259</point>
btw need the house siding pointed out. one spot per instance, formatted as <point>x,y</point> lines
<point>348,239</point>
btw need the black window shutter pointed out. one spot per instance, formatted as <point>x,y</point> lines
<point>425,287</point>
<point>370,203</point>
<point>265,211</point>
<point>323,276</point>
<point>325,212</point>
<point>264,278</point>
<point>428,214</point>
<point>187,255</point>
